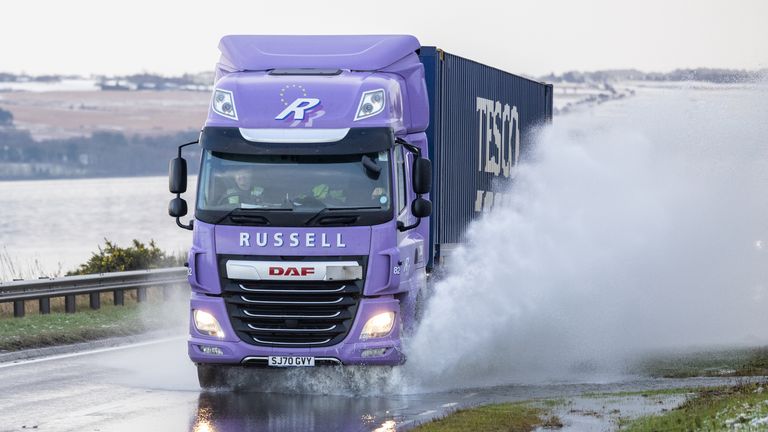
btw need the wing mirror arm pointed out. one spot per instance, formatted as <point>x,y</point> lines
<point>422,184</point>
<point>177,184</point>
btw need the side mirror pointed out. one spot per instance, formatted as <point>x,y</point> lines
<point>177,176</point>
<point>422,176</point>
<point>421,207</point>
<point>177,207</point>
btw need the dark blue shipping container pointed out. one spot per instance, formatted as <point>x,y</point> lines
<point>482,121</point>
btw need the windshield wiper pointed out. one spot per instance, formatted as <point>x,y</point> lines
<point>323,211</point>
<point>244,214</point>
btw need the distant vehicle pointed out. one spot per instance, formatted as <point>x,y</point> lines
<point>314,227</point>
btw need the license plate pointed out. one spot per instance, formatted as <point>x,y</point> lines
<point>290,361</point>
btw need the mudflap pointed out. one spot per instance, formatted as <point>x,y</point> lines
<point>211,377</point>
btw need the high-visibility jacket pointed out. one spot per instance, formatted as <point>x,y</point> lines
<point>237,195</point>
<point>323,191</point>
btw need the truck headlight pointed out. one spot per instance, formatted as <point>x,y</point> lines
<point>224,104</point>
<point>378,326</point>
<point>371,103</point>
<point>207,324</point>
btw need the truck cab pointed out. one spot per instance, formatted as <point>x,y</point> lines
<point>311,221</point>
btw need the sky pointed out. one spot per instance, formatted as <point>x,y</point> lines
<point>527,37</point>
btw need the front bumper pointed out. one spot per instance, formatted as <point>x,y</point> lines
<point>349,352</point>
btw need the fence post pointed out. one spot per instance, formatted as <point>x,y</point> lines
<point>95,300</point>
<point>141,294</point>
<point>70,304</point>
<point>168,292</point>
<point>18,308</point>
<point>45,305</point>
<point>118,297</point>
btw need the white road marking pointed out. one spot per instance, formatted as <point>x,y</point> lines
<point>90,352</point>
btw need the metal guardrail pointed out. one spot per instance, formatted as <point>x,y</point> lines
<point>70,286</point>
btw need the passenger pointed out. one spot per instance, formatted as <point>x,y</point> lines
<point>324,193</point>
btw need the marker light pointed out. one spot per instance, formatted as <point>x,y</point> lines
<point>224,104</point>
<point>378,326</point>
<point>371,103</point>
<point>206,324</point>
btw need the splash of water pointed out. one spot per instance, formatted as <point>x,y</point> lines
<point>642,228</point>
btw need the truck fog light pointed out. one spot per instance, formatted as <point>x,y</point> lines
<point>224,104</point>
<point>378,326</point>
<point>374,352</point>
<point>371,103</point>
<point>211,350</point>
<point>207,324</point>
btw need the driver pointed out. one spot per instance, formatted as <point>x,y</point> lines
<point>243,191</point>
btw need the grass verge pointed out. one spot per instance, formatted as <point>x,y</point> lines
<point>34,331</point>
<point>645,393</point>
<point>734,362</point>
<point>505,417</point>
<point>742,407</point>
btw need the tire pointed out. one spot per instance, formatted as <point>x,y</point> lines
<point>211,376</point>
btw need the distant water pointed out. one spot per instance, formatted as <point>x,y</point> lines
<point>54,224</point>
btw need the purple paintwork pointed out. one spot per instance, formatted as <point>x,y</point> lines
<point>361,52</point>
<point>349,351</point>
<point>260,97</point>
<point>396,260</point>
<point>376,242</point>
<point>392,59</point>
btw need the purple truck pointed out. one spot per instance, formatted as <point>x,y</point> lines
<point>314,230</point>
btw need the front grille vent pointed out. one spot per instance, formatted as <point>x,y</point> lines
<point>292,314</point>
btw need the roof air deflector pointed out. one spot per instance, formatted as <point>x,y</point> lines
<point>305,71</point>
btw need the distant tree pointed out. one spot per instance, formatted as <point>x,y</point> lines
<point>6,118</point>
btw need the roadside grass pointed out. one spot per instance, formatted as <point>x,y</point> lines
<point>35,330</point>
<point>644,393</point>
<point>505,417</point>
<point>743,407</point>
<point>732,362</point>
<point>739,407</point>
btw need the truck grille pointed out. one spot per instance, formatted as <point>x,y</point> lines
<point>292,314</point>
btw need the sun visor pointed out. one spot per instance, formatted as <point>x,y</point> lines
<point>358,52</point>
<point>297,141</point>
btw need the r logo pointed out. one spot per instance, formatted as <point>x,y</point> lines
<point>298,107</point>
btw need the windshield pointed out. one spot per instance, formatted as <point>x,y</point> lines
<point>294,183</point>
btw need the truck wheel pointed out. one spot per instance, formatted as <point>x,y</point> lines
<point>210,376</point>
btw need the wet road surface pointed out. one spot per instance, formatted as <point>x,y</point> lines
<point>153,387</point>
